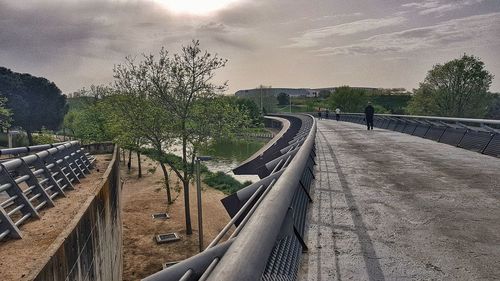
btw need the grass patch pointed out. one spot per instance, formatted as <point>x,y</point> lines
<point>224,182</point>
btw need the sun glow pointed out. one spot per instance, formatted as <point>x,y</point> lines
<point>197,7</point>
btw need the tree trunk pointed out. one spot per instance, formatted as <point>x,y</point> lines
<point>185,183</point>
<point>167,182</point>
<point>139,164</point>
<point>30,137</point>
<point>129,164</point>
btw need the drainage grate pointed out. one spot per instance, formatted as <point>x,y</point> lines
<point>167,238</point>
<point>161,216</point>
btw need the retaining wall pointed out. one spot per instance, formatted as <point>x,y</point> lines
<point>91,247</point>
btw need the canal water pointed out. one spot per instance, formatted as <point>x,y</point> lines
<point>228,154</point>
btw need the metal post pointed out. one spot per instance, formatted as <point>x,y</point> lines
<point>9,136</point>
<point>198,193</point>
<point>261,106</point>
<point>200,213</point>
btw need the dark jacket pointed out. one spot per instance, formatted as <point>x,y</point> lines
<point>369,111</point>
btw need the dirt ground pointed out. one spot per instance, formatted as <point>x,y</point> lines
<point>144,197</point>
<point>22,259</point>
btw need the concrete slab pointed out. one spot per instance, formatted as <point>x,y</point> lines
<point>389,206</point>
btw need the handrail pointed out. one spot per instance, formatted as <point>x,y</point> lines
<point>27,149</point>
<point>460,132</point>
<point>247,256</point>
<point>449,119</point>
<point>260,211</point>
<point>48,174</point>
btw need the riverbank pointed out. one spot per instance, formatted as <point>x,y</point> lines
<point>146,196</point>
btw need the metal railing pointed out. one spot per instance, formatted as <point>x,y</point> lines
<point>30,183</point>
<point>7,153</point>
<point>480,135</point>
<point>267,217</point>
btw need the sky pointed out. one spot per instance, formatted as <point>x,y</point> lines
<point>278,43</point>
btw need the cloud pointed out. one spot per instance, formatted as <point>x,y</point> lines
<point>338,16</point>
<point>470,31</point>
<point>428,7</point>
<point>313,37</point>
<point>224,35</point>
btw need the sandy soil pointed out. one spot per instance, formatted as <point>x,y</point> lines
<point>22,259</point>
<point>144,197</point>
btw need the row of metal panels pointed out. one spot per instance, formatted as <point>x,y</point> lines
<point>475,139</point>
<point>32,182</point>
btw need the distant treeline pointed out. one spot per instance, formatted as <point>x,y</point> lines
<point>30,103</point>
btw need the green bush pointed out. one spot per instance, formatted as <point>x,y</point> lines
<point>44,137</point>
<point>17,140</point>
<point>223,182</point>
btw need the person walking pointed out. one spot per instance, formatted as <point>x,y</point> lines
<point>327,112</point>
<point>319,113</point>
<point>369,112</point>
<point>337,114</point>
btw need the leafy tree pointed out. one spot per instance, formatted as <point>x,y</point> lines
<point>494,110</point>
<point>139,112</point>
<point>44,137</point>
<point>324,94</point>
<point>458,88</point>
<point>171,100</point>
<point>90,123</point>
<point>380,109</point>
<point>423,102</point>
<point>283,98</point>
<point>251,108</point>
<point>348,99</point>
<point>5,114</point>
<point>35,102</point>
<point>182,89</point>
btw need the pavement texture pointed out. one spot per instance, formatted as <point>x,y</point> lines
<point>390,206</point>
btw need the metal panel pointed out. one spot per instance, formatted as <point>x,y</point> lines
<point>392,125</point>
<point>410,128</point>
<point>32,182</point>
<point>453,136</point>
<point>435,133</point>
<point>493,147</point>
<point>421,130</point>
<point>476,140</point>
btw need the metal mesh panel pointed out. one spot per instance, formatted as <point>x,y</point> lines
<point>410,127</point>
<point>434,133</point>
<point>392,125</point>
<point>378,122</point>
<point>476,141</point>
<point>452,136</point>
<point>300,202</point>
<point>493,147</point>
<point>421,130</point>
<point>283,262</point>
<point>400,126</point>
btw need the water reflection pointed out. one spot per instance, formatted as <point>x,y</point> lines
<point>229,154</point>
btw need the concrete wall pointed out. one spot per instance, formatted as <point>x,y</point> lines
<point>92,249</point>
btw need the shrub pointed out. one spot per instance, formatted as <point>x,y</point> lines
<point>223,182</point>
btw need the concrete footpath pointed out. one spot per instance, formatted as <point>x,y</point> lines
<point>390,206</point>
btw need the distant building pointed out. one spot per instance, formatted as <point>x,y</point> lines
<point>275,92</point>
<point>294,92</point>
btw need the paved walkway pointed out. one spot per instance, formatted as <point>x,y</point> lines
<point>389,206</point>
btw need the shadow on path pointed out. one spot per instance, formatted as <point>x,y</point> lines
<point>370,258</point>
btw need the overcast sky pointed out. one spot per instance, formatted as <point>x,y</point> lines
<point>282,43</point>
